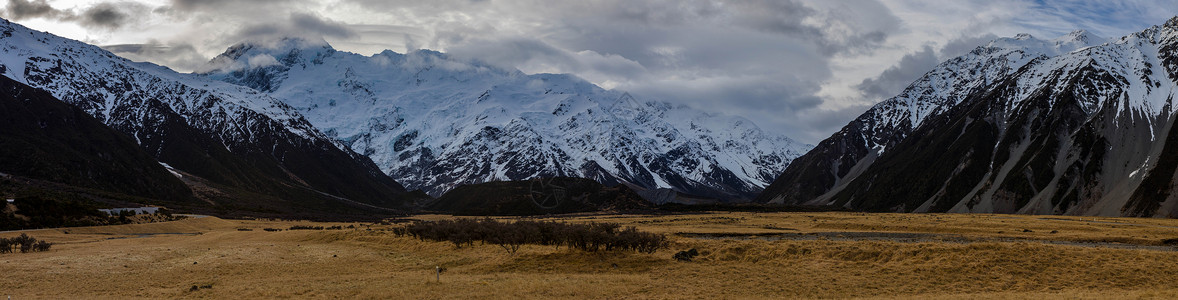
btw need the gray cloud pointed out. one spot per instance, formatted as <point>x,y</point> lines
<point>231,5</point>
<point>961,46</point>
<point>897,77</point>
<point>198,4</point>
<point>737,57</point>
<point>894,79</point>
<point>182,56</point>
<point>17,10</point>
<point>792,66</point>
<point>300,25</point>
<point>814,125</point>
<point>310,23</point>
<point>104,15</point>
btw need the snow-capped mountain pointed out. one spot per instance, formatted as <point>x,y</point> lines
<point>433,122</point>
<point>1075,125</point>
<point>42,138</point>
<point>840,158</point>
<point>232,136</point>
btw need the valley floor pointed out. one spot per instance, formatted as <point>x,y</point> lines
<point>742,255</point>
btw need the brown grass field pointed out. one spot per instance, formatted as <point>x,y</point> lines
<point>743,256</point>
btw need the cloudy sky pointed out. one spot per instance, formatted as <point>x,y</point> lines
<point>798,67</point>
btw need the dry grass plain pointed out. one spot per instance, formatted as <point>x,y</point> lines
<point>743,256</point>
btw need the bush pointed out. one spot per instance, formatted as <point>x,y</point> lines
<point>6,245</point>
<point>308,227</point>
<point>686,255</point>
<point>25,243</point>
<point>510,236</point>
<point>42,246</point>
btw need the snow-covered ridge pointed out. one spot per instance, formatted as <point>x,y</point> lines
<point>1073,125</point>
<point>434,122</point>
<point>113,89</point>
<point>953,80</point>
<point>239,139</point>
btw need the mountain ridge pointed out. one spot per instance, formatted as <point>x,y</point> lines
<point>1068,132</point>
<point>434,122</point>
<point>232,136</point>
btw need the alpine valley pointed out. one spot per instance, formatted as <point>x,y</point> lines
<point>1077,125</point>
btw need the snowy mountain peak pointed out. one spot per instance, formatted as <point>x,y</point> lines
<point>626,107</point>
<point>1077,39</point>
<point>433,122</point>
<point>285,52</point>
<point>222,132</point>
<point>1026,43</point>
<point>1073,125</point>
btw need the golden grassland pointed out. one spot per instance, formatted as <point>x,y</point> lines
<point>959,256</point>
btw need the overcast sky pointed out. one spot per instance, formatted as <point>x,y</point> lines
<point>803,68</point>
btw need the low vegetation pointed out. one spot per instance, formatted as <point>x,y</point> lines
<point>24,244</point>
<point>590,237</point>
<point>738,255</point>
<point>307,227</point>
<point>52,211</point>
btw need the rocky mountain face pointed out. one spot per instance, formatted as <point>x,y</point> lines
<point>43,138</point>
<point>247,150</point>
<point>1076,125</point>
<point>433,122</point>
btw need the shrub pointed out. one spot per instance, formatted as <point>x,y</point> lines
<point>6,245</point>
<point>687,255</point>
<point>25,242</point>
<point>42,246</point>
<point>510,236</point>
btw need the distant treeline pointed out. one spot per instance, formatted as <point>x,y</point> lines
<point>511,235</point>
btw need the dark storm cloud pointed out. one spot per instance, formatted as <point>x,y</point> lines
<point>17,10</point>
<point>105,15</point>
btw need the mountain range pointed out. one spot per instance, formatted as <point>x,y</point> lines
<point>1077,125</point>
<point>296,127</point>
<point>434,122</point>
<point>238,149</point>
